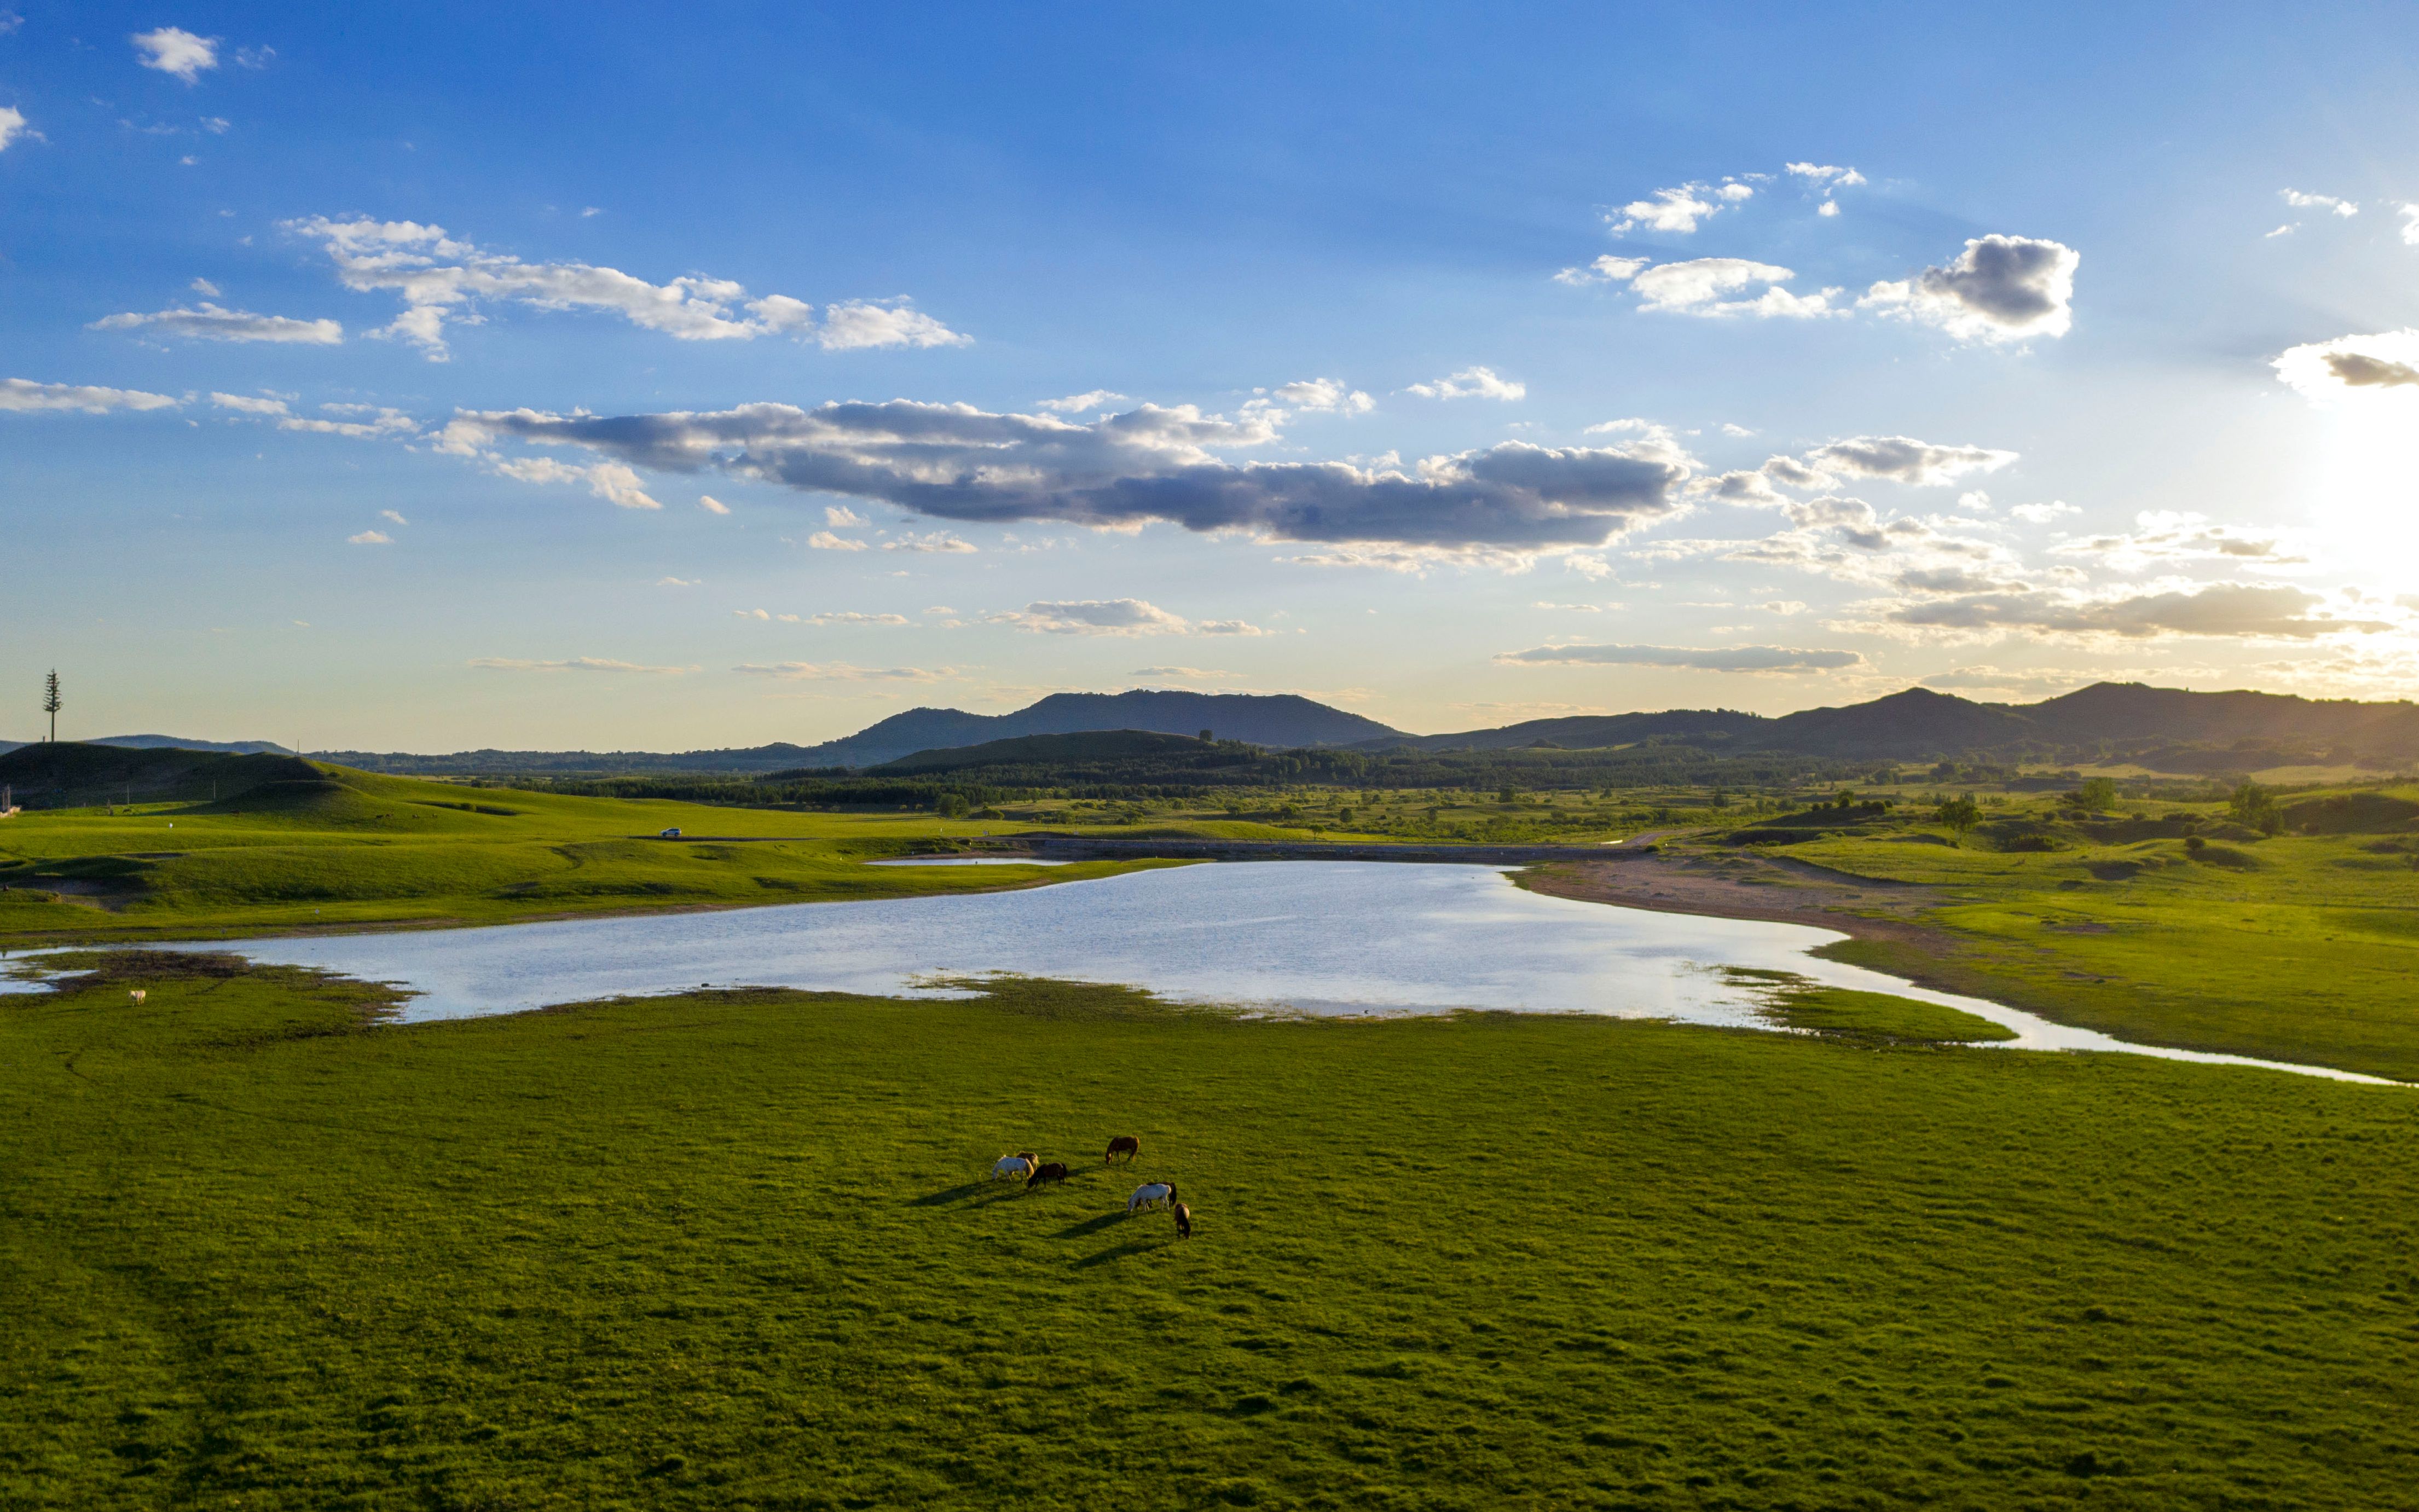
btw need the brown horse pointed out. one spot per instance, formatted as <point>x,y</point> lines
<point>1183,1219</point>
<point>1055,1171</point>
<point>1126,1145</point>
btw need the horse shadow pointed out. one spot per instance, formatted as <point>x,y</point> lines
<point>1133,1246</point>
<point>1092,1225</point>
<point>955,1193</point>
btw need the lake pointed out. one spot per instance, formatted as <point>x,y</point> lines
<point>1280,936</point>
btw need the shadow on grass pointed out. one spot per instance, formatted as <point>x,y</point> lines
<point>955,1193</point>
<point>1090,1226</point>
<point>1131,1247</point>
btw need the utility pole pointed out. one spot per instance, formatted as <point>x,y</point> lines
<point>51,701</point>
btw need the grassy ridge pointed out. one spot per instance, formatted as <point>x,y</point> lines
<point>731,1250</point>
<point>353,848</point>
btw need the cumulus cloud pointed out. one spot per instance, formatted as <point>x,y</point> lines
<point>958,463</point>
<point>211,323</point>
<point>712,505</point>
<point>613,481</point>
<point>572,664</point>
<point>827,540</point>
<point>1903,460</point>
<point>1826,177</point>
<point>2043,513</point>
<point>2000,289</point>
<point>842,517</point>
<point>930,540</point>
<point>1331,396</point>
<point>1473,384</point>
<point>2350,364</point>
<point>443,280</point>
<point>2305,202</point>
<point>361,422</point>
<point>840,671</point>
<point>1708,659</point>
<point>2166,536</point>
<point>1677,211</point>
<point>172,49</point>
<point>1605,269</point>
<point>1702,287</point>
<point>370,538</point>
<point>12,125</point>
<point>1112,616</point>
<point>1081,403</point>
<point>24,395</point>
<point>2227,609</point>
<point>246,404</point>
<point>2409,214</point>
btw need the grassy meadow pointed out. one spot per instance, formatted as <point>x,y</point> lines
<point>734,1250</point>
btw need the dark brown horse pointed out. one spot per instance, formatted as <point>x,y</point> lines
<point>1183,1219</point>
<point>1055,1171</point>
<point>1126,1145</point>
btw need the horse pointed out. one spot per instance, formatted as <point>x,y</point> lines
<point>1183,1219</point>
<point>1055,1171</point>
<point>1015,1168</point>
<point>1150,1194</point>
<point>1126,1145</point>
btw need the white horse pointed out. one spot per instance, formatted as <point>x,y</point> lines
<point>1016,1167</point>
<point>1150,1194</point>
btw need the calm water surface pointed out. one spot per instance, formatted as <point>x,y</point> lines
<point>1294,936</point>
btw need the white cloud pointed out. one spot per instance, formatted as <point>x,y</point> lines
<point>2347,365</point>
<point>1605,269</point>
<point>931,541</point>
<point>2000,289</point>
<point>246,404</point>
<point>1828,207</point>
<point>958,463</point>
<point>2285,230</point>
<point>211,323</point>
<point>2164,535</point>
<point>2409,214</point>
<point>2223,610</point>
<point>175,51</point>
<point>369,423</point>
<point>204,288</point>
<point>840,671</point>
<point>1673,211</point>
<point>2305,202</point>
<point>574,664</point>
<point>1903,460</point>
<point>443,280</point>
<point>1317,396</point>
<point>23,395</point>
<point>1112,616</point>
<point>827,540</point>
<point>12,125</point>
<point>1473,384</point>
<point>370,538</point>
<point>1712,658</point>
<point>606,479</point>
<point>392,514</point>
<point>712,505</point>
<point>842,517</point>
<point>1079,403</point>
<point>253,58</point>
<point>2043,513</point>
<point>1189,674</point>
<point>860,324</point>
<point>1825,177</point>
<point>678,582</point>
<point>854,617</point>
<point>1697,285</point>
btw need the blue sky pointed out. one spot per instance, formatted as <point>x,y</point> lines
<point>362,375</point>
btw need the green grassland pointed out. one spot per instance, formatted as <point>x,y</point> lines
<point>353,849</point>
<point>2300,947</point>
<point>734,1250</point>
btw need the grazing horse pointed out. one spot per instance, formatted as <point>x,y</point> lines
<point>1183,1219</point>
<point>1150,1194</point>
<point>1015,1168</point>
<point>1055,1171</point>
<point>1126,1145</point>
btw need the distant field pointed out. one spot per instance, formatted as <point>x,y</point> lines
<point>734,1250</point>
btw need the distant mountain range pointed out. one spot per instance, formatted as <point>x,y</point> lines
<point>233,748</point>
<point>2168,729</point>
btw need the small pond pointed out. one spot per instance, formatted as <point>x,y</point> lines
<point>1282,937</point>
